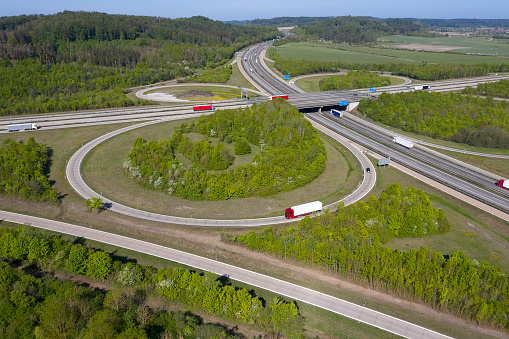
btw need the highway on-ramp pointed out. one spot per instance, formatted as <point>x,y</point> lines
<point>318,299</point>
<point>75,179</point>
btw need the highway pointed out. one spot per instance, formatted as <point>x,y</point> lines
<point>296,292</point>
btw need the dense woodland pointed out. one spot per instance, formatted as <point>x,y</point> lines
<point>420,72</point>
<point>352,80</point>
<point>215,75</point>
<point>480,122</point>
<point>499,89</point>
<point>350,242</point>
<point>48,308</point>
<point>290,155</point>
<point>358,29</point>
<point>81,60</point>
<point>23,170</point>
<point>280,21</point>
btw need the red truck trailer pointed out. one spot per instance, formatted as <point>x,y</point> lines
<point>283,96</point>
<point>503,183</point>
<point>208,107</point>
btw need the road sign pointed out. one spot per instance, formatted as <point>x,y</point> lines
<point>286,76</point>
<point>372,90</point>
<point>343,103</point>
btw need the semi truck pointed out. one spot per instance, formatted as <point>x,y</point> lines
<point>422,87</point>
<point>337,113</point>
<point>403,142</point>
<point>304,209</point>
<point>21,127</point>
<point>208,107</point>
<point>282,96</point>
<point>503,183</point>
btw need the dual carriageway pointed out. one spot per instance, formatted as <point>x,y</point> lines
<point>364,137</point>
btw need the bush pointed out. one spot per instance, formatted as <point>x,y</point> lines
<point>242,147</point>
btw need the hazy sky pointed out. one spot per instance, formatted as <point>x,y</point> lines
<point>265,9</point>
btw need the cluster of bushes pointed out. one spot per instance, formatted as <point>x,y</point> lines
<point>480,122</point>
<point>23,168</point>
<point>499,89</point>
<point>291,155</point>
<point>352,80</point>
<point>350,244</point>
<point>216,75</point>
<point>420,72</point>
<point>48,308</point>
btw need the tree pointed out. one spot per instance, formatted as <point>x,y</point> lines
<point>95,204</point>
<point>242,147</point>
<point>99,265</point>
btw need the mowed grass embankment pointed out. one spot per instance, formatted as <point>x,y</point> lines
<point>318,51</point>
<point>204,93</point>
<point>103,171</point>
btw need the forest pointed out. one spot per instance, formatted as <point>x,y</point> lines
<point>476,121</point>
<point>215,75</point>
<point>81,60</point>
<point>32,307</point>
<point>427,72</point>
<point>350,244</point>
<point>352,80</point>
<point>358,30</point>
<point>23,170</point>
<point>499,89</point>
<point>291,154</point>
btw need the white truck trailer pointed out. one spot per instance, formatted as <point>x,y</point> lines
<point>422,87</point>
<point>21,127</point>
<point>403,142</point>
<point>304,209</point>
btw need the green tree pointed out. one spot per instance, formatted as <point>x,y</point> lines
<point>99,265</point>
<point>95,204</point>
<point>242,147</point>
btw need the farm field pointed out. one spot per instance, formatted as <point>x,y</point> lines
<point>463,43</point>
<point>376,55</point>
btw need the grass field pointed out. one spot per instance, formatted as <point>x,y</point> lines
<point>65,142</point>
<point>216,92</point>
<point>103,171</point>
<point>374,55</point>
<point>311,83</point>
<point>237,79</point>
<point>483,45</point>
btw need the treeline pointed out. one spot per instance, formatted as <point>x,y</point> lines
<point>350,244</point>
<point>499,89</point>
<point>291,154</point>
<point>216,75</point>
<point>352,80</point>
<point>283,21</point>
<point>359,29</point>
<point>420,72</point>
<point>462,23</point>
<point>23,170</point>
<point>47,308</point>
<point>480,122</point>
<point>102,55</point>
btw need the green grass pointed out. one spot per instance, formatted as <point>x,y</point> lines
<point>218,93</point>
<point>103,171</point>
<point>311,84</point>
<point>374,55</point>
<point>237,79</point>
<point>483,45</point>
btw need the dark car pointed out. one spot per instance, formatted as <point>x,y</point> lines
<point>368,169</point>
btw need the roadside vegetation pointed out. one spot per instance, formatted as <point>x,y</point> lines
<point>350,244</point>
<point>216,75</point>
<point>79,60</point>
<point>291,154</point>
<point>23,170</point>
<point>353,80</point>
<point>480,122</point>
<point>50,308</point>
<point>499,89</point>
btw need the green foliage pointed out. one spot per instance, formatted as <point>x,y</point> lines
<point>475,121</point>
<point>291,155</point>
<point>95,204</point>
<point>242,147</point>
<point>99,265</point>
<point>359,29</point>
<point>499,89</point>
<point>353,80</point>
<point>22,170</point>
<point>217,75</point>
<point>130,275</point>
<point>420,72</point>
<point>77,261</point>
<point>80,60</point>
<point>350,244</point>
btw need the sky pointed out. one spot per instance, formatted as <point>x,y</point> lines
<point>226,10</point>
